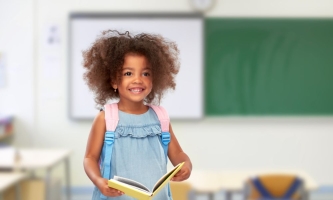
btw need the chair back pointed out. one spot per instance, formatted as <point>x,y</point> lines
<point>274,186</point>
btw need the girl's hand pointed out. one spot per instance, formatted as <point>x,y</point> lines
<point>183,174</point>
<point>102,185</point>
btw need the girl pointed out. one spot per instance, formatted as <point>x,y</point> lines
<point>137,70</point>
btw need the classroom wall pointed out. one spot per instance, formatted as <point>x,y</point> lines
<point>212,143</point>
<point>18,95</point>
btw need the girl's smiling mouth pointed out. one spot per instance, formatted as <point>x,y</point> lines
<point>136,90</point>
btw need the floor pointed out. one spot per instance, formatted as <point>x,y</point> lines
<point>321,194</point>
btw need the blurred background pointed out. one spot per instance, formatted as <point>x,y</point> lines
<point>267,89</point>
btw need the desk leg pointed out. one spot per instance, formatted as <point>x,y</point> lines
<point>306,195</point>
<point>68,182</point>
<point>228,195</point>
<point>48,184</point>
<point>211,196</point>
<point>18,192</point>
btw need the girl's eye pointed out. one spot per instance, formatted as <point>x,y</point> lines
<point>127,74</point>
<point>146,74</point>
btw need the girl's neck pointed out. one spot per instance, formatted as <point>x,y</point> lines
<point>132,107</point>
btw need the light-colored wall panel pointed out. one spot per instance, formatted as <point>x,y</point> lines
<point>17,96</point>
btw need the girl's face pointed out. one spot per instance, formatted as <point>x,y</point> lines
<point>136,79</point>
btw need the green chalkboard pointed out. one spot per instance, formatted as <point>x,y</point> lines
<point>268,66</point>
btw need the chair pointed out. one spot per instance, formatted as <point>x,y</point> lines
<point>180,190</point>
<point>273,187</point>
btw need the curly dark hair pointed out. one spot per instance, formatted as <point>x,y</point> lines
<point>104,60</point>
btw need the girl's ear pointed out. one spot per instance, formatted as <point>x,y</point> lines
<point>114,85</point>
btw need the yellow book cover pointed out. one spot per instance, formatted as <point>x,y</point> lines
<point>139,191</point>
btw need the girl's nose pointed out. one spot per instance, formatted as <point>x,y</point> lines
<point>137,80</point>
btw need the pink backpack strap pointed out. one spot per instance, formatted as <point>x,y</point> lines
<point>111,116</point>
<point>162,116</point>
<point>165,135</point>
<point>165,121</point>
<point>111,121</point>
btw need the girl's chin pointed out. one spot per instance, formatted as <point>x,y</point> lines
<point>137,100</point>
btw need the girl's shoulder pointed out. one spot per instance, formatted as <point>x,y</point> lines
<point>100,116</point>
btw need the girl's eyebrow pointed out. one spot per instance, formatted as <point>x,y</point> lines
<point>130,68</point>
<point>127,68</point>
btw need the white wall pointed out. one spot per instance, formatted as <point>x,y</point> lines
<point>273,8</point>
<point>213,143</point>
<point>18,95</point>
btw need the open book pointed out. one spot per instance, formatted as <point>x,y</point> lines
<point>139,191</point>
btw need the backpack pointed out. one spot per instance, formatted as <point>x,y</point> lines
<point>111,120</point>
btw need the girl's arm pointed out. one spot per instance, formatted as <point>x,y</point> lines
<point>176,156</point>
<point>92,155</point>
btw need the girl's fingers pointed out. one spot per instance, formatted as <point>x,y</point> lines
<point>113,192</point>
<point>181,175</point>
<point>117,192</point>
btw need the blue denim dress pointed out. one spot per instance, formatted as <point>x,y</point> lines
<point>137,152</point>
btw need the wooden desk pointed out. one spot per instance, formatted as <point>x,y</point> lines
<point>210,182</point>
<point>34,159</point>
<point>9,179</point>
<point>6,135</point>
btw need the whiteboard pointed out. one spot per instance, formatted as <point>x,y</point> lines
<point>185,102</point>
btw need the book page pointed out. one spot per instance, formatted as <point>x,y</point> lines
<point>166,176</point>
<point>131,183</point>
